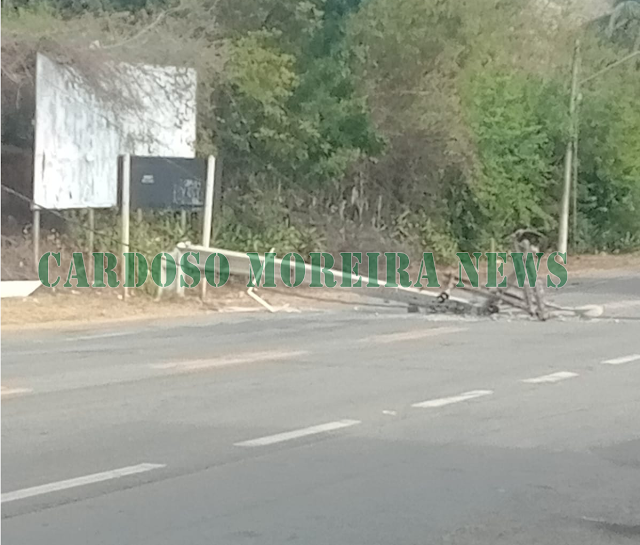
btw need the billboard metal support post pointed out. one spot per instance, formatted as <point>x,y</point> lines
<point>126,196</point>
<point>92,222</point>
<point>208,205</point>
<point>36,236</point>
<point>183,221</point>
<point>217,195</point>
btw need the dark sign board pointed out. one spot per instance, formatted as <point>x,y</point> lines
<point>167,182</point>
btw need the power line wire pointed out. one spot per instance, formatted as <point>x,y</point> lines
<point>80,224</point>
<point>610,66</point>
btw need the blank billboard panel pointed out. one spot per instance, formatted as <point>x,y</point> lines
<point>80,132</point>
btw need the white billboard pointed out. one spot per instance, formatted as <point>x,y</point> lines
<point>80,131</point>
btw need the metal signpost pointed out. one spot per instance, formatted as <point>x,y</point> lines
<point>208,206</point>
<point>125,210</point>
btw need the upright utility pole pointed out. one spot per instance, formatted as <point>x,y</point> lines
<point>563,233</point>
<point>576,172</point>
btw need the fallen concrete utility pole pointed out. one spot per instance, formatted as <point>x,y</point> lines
<point>480,301</point>
<point>528,299</point>
<point>240,265</point>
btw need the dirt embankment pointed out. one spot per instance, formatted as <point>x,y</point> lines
<point>62,308</point>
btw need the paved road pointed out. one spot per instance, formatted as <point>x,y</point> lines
<point>346,428</point>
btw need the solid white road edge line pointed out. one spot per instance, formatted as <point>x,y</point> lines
<point>304,432</point>
<point>553,377</point>
<point>441,402</point>
<point>623,359</point>
<point>79,481</point>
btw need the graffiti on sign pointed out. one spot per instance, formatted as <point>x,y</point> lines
<point>187,193</point>
<point>167,182</point>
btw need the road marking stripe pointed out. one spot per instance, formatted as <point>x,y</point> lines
<point>80,481</point>
<point>623,359</point>
<point>411,335</point>
<point>44,352</point>
<point>190,365</point>
<point>98,336</point>
<point>296,434</point>
<point>553,377</point>
<point>441,402</point>
<point>13,391</point>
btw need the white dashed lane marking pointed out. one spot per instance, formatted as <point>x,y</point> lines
<point>296,434</point>
<point>553,377</point>
<point>441,402</point>
<point>79,481</point>
<point>623,359</point>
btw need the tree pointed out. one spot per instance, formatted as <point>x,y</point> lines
<point>291,103</point>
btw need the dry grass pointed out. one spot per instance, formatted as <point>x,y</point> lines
<point>77,308</point>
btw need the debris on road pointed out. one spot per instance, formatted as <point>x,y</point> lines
<point>478,301</point>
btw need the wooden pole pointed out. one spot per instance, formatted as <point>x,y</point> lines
<point>208,205</point>
<point>124,211</point>
<point>568,160</point>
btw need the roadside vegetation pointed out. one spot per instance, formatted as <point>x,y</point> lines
<point>423,125</point>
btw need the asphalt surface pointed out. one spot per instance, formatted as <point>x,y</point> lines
<point>343,428</point>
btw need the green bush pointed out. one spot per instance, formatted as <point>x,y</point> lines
<point>517,121</point>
